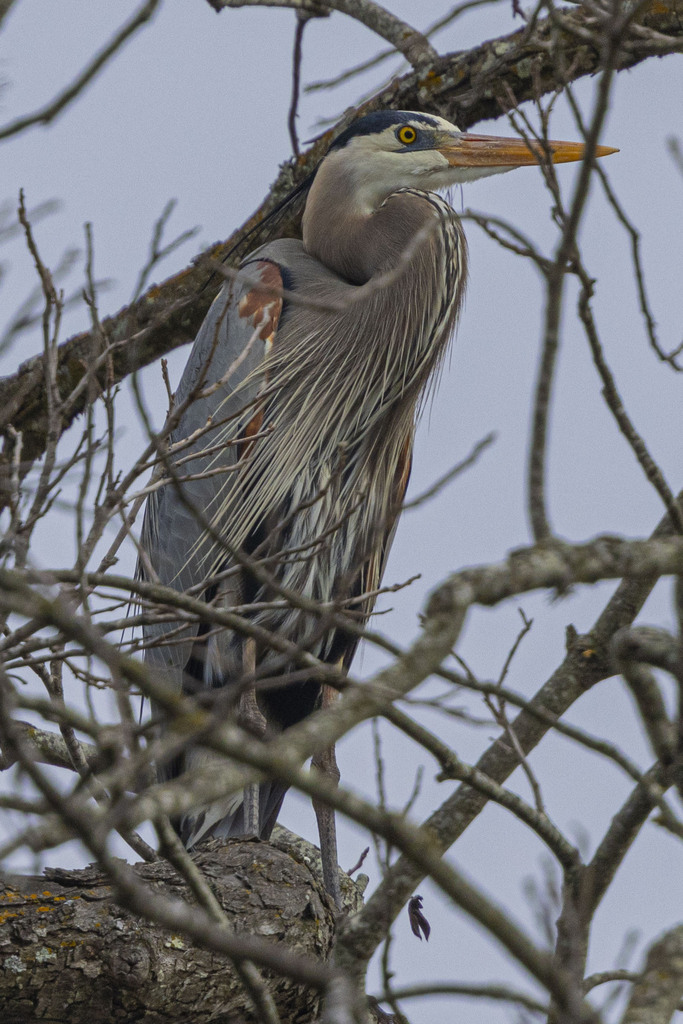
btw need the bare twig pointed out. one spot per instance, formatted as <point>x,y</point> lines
<point>365,65</point>
<point>157,252</point>
<point>359,863</point>
<point>444,480</point>
<point>615,403</point>
<point>47,113</point>
<point>301,19</point>
<point>496,993</point>
<point>407,40</point>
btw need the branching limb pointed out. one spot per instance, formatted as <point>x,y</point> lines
<point>181,961</point>
<point>453,768</point>
<point>556,278</point>
<point>631,649</point>
<point>566,685</point>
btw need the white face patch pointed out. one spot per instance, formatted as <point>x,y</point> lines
<point>377,164</point>
<point>431,163</point>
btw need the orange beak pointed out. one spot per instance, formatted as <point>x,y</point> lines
<point>491,151</point>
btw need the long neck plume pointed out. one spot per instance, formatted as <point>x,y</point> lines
<point>346,385</point>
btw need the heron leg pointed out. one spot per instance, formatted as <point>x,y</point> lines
<point>252,718</point>
<point>326,764</point>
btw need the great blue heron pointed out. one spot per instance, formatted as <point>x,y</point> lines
<point>289,468</point>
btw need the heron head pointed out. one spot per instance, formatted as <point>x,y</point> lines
<point>392,149</point>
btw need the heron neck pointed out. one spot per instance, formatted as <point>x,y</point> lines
<point>357,231</point>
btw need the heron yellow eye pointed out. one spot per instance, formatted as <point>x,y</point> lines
<point>406,135</point>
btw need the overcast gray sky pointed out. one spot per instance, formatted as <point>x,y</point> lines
<point>195,108</point>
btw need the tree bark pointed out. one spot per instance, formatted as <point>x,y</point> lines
<point>70,953</point>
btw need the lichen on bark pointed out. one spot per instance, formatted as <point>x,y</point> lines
<point>68,952</point>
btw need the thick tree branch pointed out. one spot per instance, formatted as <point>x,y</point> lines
<point>51,748</point>
<point>619,837</point>
<point>656,996</point>
<point>81,958</point>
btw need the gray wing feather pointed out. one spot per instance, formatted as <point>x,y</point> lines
<point>173,534</point>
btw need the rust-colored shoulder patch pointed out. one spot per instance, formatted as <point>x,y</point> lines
<point>261,308</point>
